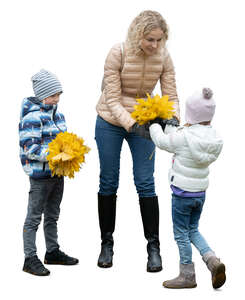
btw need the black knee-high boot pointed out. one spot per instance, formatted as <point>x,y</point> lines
<point>150,216</point>
<point>107,216</point>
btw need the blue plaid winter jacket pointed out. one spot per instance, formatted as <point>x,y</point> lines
<point>39,125</point>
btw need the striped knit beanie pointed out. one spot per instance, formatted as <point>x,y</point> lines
<point>45,84</point>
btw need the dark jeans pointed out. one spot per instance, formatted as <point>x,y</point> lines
<point>186,213</point>
<point>44,198</point>
<point>109,139</point>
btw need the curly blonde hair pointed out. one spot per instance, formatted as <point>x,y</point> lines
<point>142,25</point>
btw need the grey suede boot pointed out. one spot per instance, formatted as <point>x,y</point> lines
<point>217,269</point>
<point>186,278</point>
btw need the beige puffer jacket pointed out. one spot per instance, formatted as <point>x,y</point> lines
<point>138,76</point>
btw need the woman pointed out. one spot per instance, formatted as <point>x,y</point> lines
<point>132,70</point>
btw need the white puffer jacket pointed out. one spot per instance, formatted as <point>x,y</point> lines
<point>194,148</point>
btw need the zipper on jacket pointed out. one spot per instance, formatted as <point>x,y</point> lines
<point>142,78</point>
<point>44,164</point>
<point>53,113</point>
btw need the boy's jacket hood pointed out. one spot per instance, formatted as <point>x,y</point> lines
<point>32,104</point>
<point>204,143</point>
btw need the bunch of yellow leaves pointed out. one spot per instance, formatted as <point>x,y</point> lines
<point>66,154</point>
<point>152,108</point>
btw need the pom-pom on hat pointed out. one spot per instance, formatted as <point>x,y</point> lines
<point>45,84</point>
<point>200,107</point>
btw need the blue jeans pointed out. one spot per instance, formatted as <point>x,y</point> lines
<point>109,139</point>
<point>186,213</point>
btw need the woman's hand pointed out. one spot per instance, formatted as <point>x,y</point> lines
<point>173,122</point>
<point>160,121</point>
<point>163,122</point>
<point>141,130</point>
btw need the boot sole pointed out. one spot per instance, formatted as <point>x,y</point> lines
<point>59,263</point>
<point>154,270</point>
<point>36,274</point>
<point>104,265</point>
<point>218,276</point>
<point>180,287</point>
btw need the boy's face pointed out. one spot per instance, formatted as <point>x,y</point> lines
<point>52,100</point>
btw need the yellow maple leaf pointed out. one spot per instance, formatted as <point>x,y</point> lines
<point>152,108</point>
<point>66,154</point>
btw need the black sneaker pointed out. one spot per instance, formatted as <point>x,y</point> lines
<point>57,257</point>
<point>33,265</point>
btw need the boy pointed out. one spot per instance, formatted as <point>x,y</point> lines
<point>195,147</point>
<point>40,122</point>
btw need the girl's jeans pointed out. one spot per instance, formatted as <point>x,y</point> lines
<point>186,213</point>
<point>44,198</point>
<point>109,139</point>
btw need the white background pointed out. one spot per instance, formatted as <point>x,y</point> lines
<point>72,38</point>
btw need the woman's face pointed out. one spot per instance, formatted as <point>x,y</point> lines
<point>151,41</point>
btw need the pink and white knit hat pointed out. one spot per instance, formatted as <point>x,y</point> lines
<point>200,107</point>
